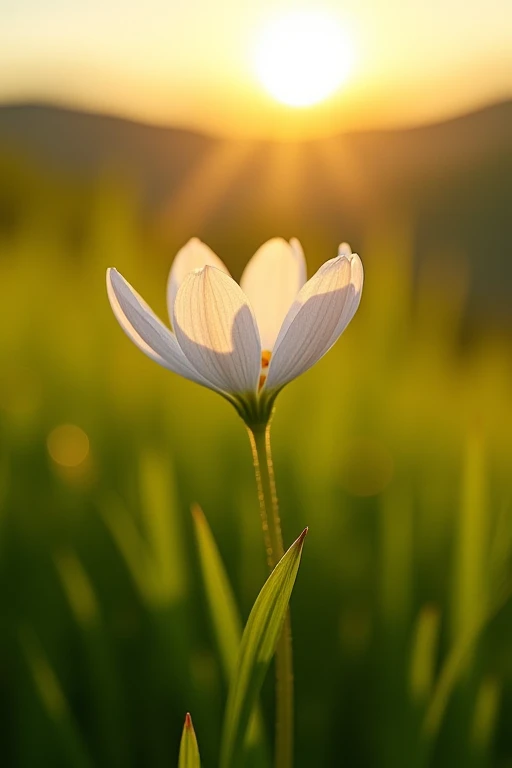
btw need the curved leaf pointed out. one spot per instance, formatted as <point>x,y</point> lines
<point>256,650</point>
<point>227,625</point>
<point>226,620</point>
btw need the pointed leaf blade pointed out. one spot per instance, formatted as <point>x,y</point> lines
<point>227,624</point>
<point>189,750</point>
<point>256,650</point>
<point>226,620</point>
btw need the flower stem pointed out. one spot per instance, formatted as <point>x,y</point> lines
<point>260,443</point>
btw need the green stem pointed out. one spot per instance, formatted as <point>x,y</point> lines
<point>260,443</point>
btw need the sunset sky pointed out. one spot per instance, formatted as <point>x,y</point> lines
<point>194,63</point>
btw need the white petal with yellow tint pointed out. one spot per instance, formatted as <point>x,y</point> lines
<point>271,282</point>
<point>194,255</point>
<point>320,314</point>
<point>144,328</point>
<point>217,331</point>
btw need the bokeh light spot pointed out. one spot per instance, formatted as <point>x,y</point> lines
<point>68,445</point>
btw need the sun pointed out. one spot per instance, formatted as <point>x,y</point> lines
<point>302,57</point>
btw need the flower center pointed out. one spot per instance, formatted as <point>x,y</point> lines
<point>265,362</point>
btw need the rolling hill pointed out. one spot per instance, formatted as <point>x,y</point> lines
<point>452,180</point>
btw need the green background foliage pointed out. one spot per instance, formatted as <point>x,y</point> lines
<point>395,450</point>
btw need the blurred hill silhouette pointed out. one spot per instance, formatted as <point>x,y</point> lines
<point>451,181</point>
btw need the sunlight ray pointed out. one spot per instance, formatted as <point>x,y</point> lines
<point>343,171</point>
<point>281,182</point>
<point>201,192</point>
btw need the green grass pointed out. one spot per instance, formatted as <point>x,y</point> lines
<point>395,451</point>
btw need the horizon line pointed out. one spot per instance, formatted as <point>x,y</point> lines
<point>67,105</point>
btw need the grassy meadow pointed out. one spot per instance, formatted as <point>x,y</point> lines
<point>395,450</point>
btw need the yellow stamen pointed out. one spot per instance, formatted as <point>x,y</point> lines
<point>265,358</point>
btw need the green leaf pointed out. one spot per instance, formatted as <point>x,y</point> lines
<point>53,700</point>
<point>133,550</point>
<point>256,650</point>
<point>227,624</point>
<point>189,751</point>
<point>161,516</point>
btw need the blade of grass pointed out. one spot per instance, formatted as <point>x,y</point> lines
<point>424,653</point>
<point>78,588</point>
<point>163,524</point>
<point>471,575</point>
<point>226,620</point>
<point>486,714</point>
<point>189,750</point>
<point>455,662</point>
<point>101,675</point>
<point>54,702</point>
<point>258,645</point>
<point>134,551</point>
<point>169,620</point>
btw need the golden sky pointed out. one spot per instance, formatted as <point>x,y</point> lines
<point>193,63</point>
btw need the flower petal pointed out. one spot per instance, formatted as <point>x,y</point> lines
<point>194,255</point>
<point>320,314</point>
<point>217,331</point>
<point>144,328</point>
<point>271,282</point>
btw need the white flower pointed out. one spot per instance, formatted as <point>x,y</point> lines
<point>244,341</point>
